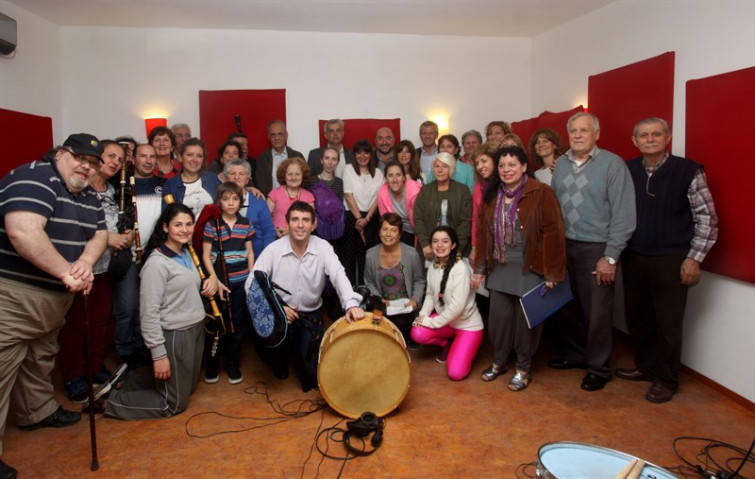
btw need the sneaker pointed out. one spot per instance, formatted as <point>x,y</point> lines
<point>102,376</point>
<point>412,346</point>
<point>76,390</point>
<point>99,407</point>
<point>443,356</point>
<point>234,375</point>
<point>212,373</point>
<point>113,382</point>
<point>60,418</point>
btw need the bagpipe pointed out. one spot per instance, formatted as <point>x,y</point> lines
<point>214,324</point>
<point>121,260</point>
<point>266,310</point>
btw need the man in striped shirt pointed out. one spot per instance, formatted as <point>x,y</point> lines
<point>52,231</point>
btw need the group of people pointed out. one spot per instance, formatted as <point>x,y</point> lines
<point>155,233</point>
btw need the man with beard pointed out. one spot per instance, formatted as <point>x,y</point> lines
<point>52,231</point>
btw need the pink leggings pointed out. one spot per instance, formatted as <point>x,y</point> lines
<point>463,348</point>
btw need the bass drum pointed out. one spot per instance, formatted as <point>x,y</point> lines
<point>363,366</point>
<point>574,460</point>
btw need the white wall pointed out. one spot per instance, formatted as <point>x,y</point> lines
<point>114,77</point>
<point>709,37</point>
<point>30,76</point>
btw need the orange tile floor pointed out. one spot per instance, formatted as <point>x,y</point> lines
<point>467,429</point>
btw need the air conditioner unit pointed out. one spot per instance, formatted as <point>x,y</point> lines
<point>7,34</point>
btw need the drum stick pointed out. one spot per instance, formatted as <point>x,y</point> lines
<point>626,470</point>
<point>636,470</point>
<point>632,470</point>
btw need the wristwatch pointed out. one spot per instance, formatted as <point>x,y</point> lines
<point>610,260</point>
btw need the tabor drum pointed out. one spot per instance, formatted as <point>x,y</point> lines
<point>363,366</point>
<point>573,460</point>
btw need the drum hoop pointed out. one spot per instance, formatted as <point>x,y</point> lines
<point>600,448</point>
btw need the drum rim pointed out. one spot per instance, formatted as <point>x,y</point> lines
<point>595,446</point>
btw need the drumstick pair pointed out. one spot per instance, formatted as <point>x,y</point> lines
<point>631,470</point>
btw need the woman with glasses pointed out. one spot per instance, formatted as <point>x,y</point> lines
<point>520,243</point>
<point>71,358</point>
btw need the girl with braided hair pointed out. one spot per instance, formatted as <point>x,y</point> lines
<point>449,317</point>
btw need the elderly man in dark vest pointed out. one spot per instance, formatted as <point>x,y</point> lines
<point>676,227</point>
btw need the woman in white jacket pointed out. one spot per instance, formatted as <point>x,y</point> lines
<point>449,317</point>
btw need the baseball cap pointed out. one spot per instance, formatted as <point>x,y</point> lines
<point>84,144</point>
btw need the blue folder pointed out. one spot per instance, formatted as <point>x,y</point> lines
<point>540,302</point>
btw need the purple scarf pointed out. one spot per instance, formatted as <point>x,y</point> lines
<point>503,223</point>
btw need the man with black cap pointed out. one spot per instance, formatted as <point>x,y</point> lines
<point>52,231</point>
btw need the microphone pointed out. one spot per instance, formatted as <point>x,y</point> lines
<point>238,123</point>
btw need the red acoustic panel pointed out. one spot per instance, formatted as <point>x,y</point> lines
<point>547,119</point>
<point>622,97</point>
<point>525,129</point>
<point>256,108</point>
<point>719,121</point>
<point>24,137</point>
<point>363,129</point>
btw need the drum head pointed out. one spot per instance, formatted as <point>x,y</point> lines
<point>575,460</point>
<point>363,370</point>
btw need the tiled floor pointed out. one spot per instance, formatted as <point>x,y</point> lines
<point>468,429</point>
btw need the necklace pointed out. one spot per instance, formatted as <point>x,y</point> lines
<point>298,192</point>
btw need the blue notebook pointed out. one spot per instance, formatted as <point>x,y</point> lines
<point>540,302</point>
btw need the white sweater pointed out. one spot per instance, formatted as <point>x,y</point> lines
<point>460,310</point>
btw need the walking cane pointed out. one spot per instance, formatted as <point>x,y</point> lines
<point>90,384</point>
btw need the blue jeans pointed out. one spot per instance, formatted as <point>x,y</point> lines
<point>128,335</point>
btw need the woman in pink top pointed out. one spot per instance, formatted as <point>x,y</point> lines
<point>397,195</point>
<point>292,174</point>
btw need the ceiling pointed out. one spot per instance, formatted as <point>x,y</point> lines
<point>492,18</point>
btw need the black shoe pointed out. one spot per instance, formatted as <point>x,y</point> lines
<point>593,382</point>
<point>234,374</point>
<point>658,393</point>
<point>563,364</point>
<point>281,371</point>
<point>212,371</point>
<point>632,375</point>
<point>443,356</point>
<point>60,418</point>
<point>7,472</point>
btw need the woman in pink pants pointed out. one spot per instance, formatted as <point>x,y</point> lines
<point>449,317</point>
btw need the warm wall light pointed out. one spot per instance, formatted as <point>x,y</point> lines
<point>442,121</point>
<point>152,123</point>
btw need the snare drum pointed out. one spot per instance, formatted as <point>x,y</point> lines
<point>573,460</point>
<point>363,366</point>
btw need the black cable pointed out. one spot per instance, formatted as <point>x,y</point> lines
<point>303,408</point>
<point>521,470</point>
<point>747,458</point>
<point>312,449</point>
<point>705,459</point>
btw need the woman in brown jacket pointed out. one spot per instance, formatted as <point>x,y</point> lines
<point>520,243</point>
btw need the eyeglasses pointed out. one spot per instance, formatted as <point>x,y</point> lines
<point>94,163</point>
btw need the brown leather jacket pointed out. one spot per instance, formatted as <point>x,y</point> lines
<point>542,228</point>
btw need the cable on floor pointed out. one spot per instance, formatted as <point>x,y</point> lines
<point>706,466</point>
<point>288,411</point>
